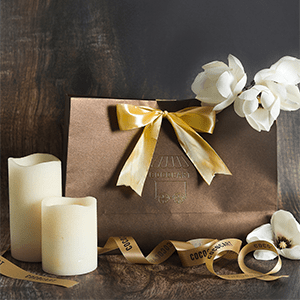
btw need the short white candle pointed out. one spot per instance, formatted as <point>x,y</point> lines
<point>31,178</point>
<point>69,235</point>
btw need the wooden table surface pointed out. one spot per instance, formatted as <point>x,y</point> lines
<point>143,50</point>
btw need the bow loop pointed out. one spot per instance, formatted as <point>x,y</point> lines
<point>184,123</point>
<point>202,119</point>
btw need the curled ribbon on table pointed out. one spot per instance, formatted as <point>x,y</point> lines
<point>185,123</point>
<point>205,252</point>
<point>191,253</point>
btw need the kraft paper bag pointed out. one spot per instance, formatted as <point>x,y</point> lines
<point>176,202</point>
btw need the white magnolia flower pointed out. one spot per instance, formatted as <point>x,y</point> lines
<point>259,105</point>
<point>283,233</point>
<point>220,84</point>
<point>282,78</point>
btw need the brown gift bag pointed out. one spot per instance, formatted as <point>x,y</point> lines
<point>176,202</point>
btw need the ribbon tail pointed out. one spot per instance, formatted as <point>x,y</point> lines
<point>202,155</point>
<point>136,168</point>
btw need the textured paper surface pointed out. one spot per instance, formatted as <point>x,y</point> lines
<point>176,203</point>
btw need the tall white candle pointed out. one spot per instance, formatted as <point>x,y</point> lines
<point>31,178</point>
<point>69,235</point>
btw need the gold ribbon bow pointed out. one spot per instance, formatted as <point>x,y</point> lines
<point>185,123</point>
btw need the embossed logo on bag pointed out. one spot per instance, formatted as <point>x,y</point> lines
<point>170,175</point>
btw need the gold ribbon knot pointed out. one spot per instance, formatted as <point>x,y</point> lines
<point>185,124</point>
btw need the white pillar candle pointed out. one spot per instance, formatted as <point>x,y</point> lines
<point>31,178</point>
<point>69,235</point>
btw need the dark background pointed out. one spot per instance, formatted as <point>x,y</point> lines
<point>133,49</point>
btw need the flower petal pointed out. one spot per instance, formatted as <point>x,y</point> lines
<point>240,85</point>
<point>267,99</point>
<point>253,123</point>
<point>291,253</point>
<point>199,83</point>
<point>289,67</point>
<point>236,66</point>
<point>285,225</point>
<point>223,84</point>
<point>263,232</point>
<point>238,107</point>
<point>261,76</point>
<point>224,103</point>
<point>293,93</point>
<point>266,74</point>
<point>260,120</point>
<point>249,95</point>
<point>210,95</point>
<point>277,89</point>
<point>214,69</point>
<point>264,255</point>
<point>292,100</point>
<point>250,107</point>
<point>288,105</point>
<point>216,65</point>
<point>289,95</point>
<point>275,109</point>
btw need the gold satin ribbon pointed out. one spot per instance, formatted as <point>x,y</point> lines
<point>9,269</point>
<point>185,123</point>
<point>206,253</point>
